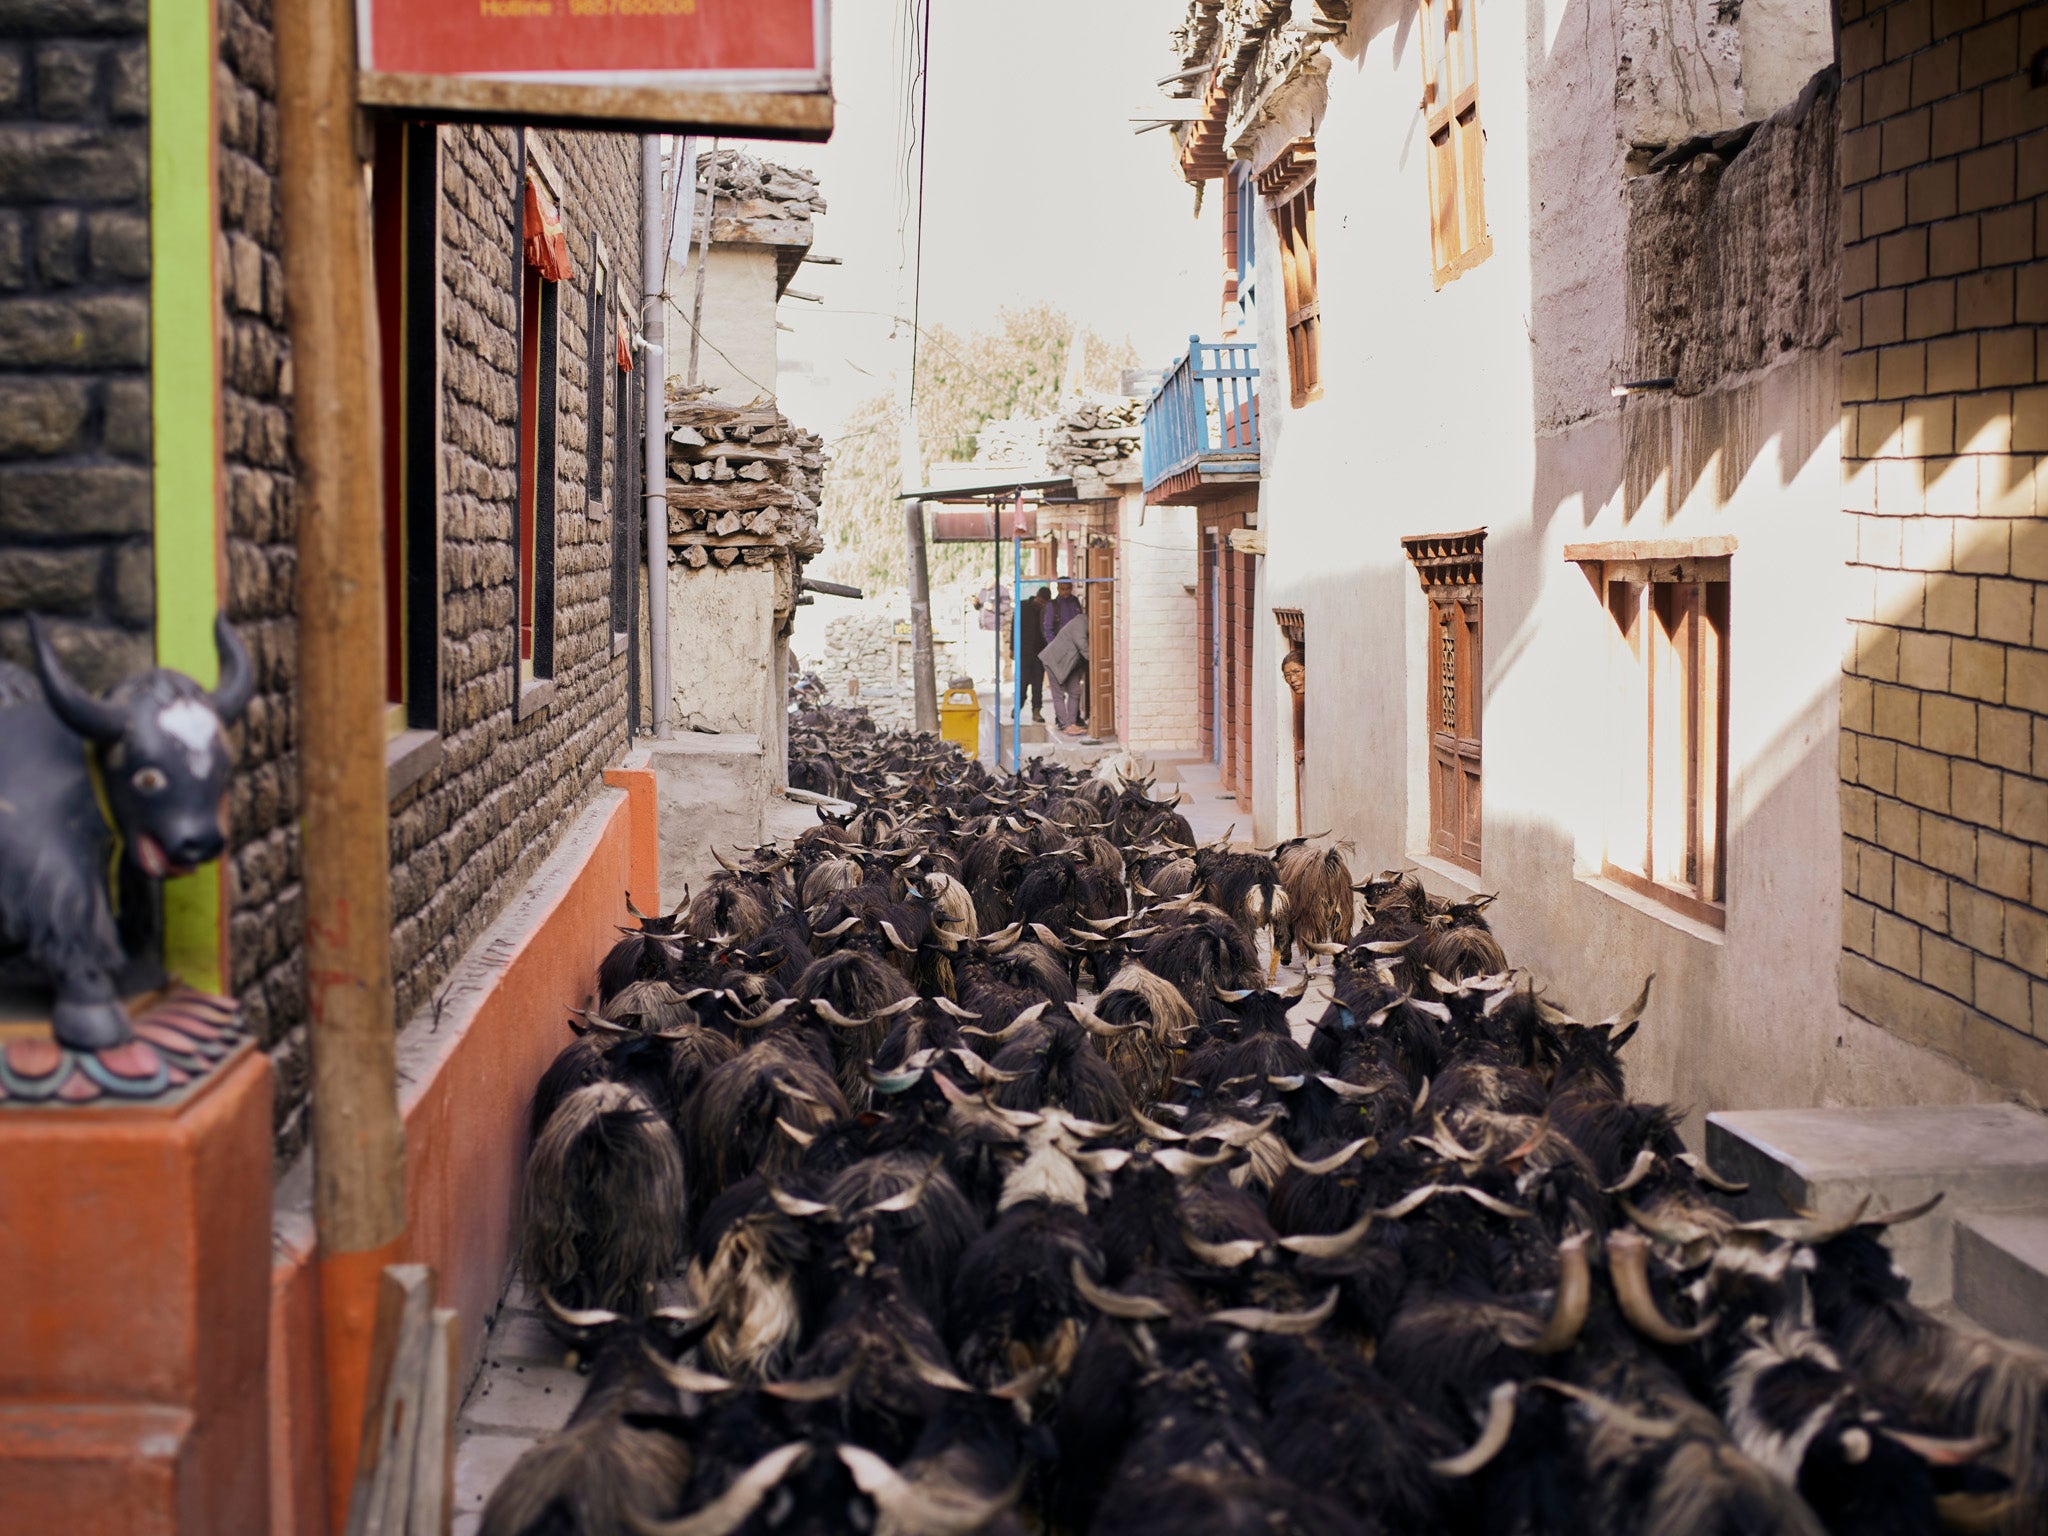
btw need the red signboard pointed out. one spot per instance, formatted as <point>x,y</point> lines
<point>756,64</point>
<point>978,526</point>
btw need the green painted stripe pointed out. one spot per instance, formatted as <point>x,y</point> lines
<point>184,408</point>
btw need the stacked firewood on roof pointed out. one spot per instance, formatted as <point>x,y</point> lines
<point>1097,439</point>
<point>743,485</point>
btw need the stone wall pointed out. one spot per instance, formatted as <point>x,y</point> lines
<point>261,890</point>
<point>865,661</point>
<point>74,333</point>
<point>1945,421</point>
<point>465,836</point>
<point>1731,252</point>
<point>1159,662</point>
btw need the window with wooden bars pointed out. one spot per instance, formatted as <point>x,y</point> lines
<point>1667,832</point>
<point>1457,141</point>
<point>1450,567</point>
<point>1289,187</point>
<point>1240,252</point>
<point>1295,229</point>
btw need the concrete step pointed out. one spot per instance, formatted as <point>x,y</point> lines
<point>2001,1262</point>
<point>1982,1157</point>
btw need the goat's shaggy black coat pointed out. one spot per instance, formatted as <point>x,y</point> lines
<point>1145,1262</point>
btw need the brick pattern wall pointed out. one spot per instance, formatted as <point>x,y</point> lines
<point>1160,655</point>
<point>1945,419</point>
<point>466,836</point>
<point>74,332</point>
<point>261,890</point>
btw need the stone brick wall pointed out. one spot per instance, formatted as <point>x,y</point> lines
<point>1159,660</point>
<point>74,332</point>
<point>1945,420</point>
<point>261,890</point>
<point>472,830</point>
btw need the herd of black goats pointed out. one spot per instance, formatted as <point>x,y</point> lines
<point>956,1169</point>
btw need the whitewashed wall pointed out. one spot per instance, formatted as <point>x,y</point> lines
<point>1486,404</point>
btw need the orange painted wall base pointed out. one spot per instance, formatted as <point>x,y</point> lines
<point>467,1088</point>
<point>135,1265</point>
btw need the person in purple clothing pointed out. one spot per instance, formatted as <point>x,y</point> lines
<point>1061,611</point>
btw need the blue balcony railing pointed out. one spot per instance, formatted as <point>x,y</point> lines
<point>1202,423</point>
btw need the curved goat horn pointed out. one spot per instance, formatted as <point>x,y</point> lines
<point>896,939</point>
<point>1574,1297</point>
<point>1704,1172</point>
<point>1628,1260</point>
<point>1155,1130</point>
<point>1493,1436</point>
<point>1264,1320</point>
<point>1330,1245</point>
<point>734,1507</point>
<point>936,1375</point>
<point>796,1205</point>
<point>1115,1304</point>
<point>951,1009</point>
<point>834,1017</point>
<point>820,1390</point>
<point>1644,1165</point>
<point>1937,1451</point>
<point>589,1317</point>
<point>1222,1255</point>
<point>1050,939</point>
<point>685,1379</point>
<point>1335,1160</point>
<point>1807,1228</point>
<point>1095,1024</point>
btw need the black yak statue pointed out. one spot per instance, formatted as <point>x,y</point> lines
<point>140,775</point>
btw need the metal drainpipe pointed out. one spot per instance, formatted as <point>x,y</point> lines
<point>654,390</point>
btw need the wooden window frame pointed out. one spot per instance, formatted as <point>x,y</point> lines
<point>533,647</point>
<point>1294,672</point>
<point>1667,832</point>
<point>1451,569</point>
<point>1240,250</point>
<point>625,492</point>
<point>1288,183</point>
<point>1458,236</point>
<point>596,397</point>
<point>405,185</point>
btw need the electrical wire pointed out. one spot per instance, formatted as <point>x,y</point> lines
<point>924,87</point>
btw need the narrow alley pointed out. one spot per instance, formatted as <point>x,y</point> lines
<point>772,767</point>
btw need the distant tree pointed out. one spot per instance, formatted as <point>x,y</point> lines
<point>964,381</point>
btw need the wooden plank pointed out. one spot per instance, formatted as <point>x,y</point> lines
<point>431,1511</point>
<point>398,1359</point>
<point>755,115</point>
<point>1706,547</point>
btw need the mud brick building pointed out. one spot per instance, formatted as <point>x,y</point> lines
<point>147,480</point>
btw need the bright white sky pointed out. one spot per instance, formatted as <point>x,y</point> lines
<point>1035,189</point>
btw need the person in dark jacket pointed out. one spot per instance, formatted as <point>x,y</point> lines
<point>1029,667</point>
<point>1061,611</point>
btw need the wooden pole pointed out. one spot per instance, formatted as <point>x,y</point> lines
<point>923,681</point>
<point>358,1141</point>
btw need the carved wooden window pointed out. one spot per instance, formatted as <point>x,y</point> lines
<point>1667,832</point>
<point>1457,142</point>
<point>1450,567</point>
<point>1289,185</point>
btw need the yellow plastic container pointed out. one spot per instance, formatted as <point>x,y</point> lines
<point>960,719</point>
